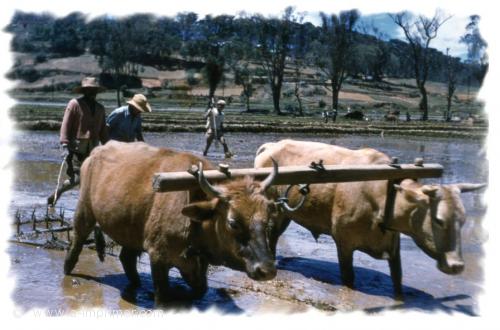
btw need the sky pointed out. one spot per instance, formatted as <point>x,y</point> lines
<point>448,37</point>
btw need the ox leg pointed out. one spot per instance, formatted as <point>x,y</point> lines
<point>276,233</point>
<point>396,270</point>
<point>128,258</point>
<point>159,273</point>
<point>83,226</point>
<point>194,272</point>
<point>346,267</point>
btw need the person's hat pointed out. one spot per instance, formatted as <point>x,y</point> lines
<point>89,83</point>
<point>140,102</point>
<point>221,102</point>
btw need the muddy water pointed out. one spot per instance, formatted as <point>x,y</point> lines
<point>308,270</point>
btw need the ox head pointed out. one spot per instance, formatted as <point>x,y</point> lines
<point>241,215</point>
<point>436,215</point>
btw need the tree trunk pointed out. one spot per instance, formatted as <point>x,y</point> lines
<point>423,106</point>
<point>297,95</point>
<point>276,99</point>
<point>448,108</point>
<point>211,92</point>
<point>246,92</point>
<point>335,98</point>
<point>118,99</point>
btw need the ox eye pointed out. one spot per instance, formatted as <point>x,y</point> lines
<point>233,224</point>
<point>439,222</point>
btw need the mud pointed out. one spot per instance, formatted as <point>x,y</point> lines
<point>308,275</point>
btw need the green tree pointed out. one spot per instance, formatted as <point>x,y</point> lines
<point>111,44</point>
<point>243,76</point>
<point>274,47</point>
<point>66,35</point>
<point>334,50</point>
<point>476,52</point>
<point>210,44</point>
<point>31,32</point>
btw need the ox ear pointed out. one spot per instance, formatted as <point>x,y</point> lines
<point>200,211</point>
<point>430,190</point>
<point>467,187</point>
<point>410,194</point>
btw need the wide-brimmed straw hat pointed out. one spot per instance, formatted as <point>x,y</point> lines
<point>140,102</point>
<point>89,83</point>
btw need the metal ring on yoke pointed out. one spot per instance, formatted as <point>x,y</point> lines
<point>303,189</point>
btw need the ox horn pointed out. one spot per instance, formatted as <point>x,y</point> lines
<point>207,188</point>
<point>466,187</point>
<point>271,177</point>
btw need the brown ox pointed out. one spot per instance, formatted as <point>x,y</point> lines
<point>220,225</point>
<point>431,215</point>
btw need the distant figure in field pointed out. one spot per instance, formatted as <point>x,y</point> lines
<point>125,123</point>
<point>82,128</point>
<point>325,116</point>
<point>408,116</point>
<point>215,127</point>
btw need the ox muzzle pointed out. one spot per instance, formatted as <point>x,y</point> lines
<point>451,263</point>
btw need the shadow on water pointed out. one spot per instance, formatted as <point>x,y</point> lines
<point>373,282</point>
<point>143,297</point>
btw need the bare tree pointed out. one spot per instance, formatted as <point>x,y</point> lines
<point>452,67</point>
<point>334,50</point>
<point>298,56</point>
<point>419,32</point>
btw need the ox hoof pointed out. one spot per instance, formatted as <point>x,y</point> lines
<point>198,293</point>
<point>398,295</point>
<point>134,283</point>
<point>67,270</point>
<point>69,265</point>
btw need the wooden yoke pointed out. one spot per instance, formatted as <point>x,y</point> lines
<point>175,181</point>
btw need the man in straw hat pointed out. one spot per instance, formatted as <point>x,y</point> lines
<point>125,123</point>
<point>82,128</point>
<point>215,127</point>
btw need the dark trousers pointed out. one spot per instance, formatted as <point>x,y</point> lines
<point>74,162</point>
<point>210,137</point>
<point>79,151</point>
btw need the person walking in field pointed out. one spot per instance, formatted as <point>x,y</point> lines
<point>82,128</point>
<point>215,127</point>
<point>125,123</point>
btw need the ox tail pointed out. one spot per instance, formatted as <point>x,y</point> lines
<point>100,243</point>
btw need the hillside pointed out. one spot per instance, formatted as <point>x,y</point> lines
<point>171,88</point>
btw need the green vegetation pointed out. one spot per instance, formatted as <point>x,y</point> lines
<point>276,74</point>
<point>43,118</point>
